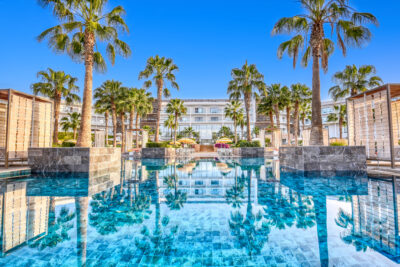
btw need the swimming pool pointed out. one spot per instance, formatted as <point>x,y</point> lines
<point>205,212</point>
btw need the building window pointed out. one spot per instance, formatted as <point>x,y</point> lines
<point>198,110</point>
<point>214,110</point>
<point>214,182</point>
<point>198,119</point>
<point>214,119</point>
<point>198,182</point>
<point>327,110</point>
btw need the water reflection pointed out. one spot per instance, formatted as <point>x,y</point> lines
<point>200,212</point>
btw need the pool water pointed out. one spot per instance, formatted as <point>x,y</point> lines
<point>205,212</point>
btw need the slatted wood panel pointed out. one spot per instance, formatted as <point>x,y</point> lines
<point>368,124</point>
<point>20,126</point>
<point>41,136</point>
<point>3,123</point>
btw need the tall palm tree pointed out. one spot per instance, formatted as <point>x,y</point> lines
<point>144,105</point>
<point>309,28</point>
<point>72,121</point>
<point>243,83</point>
<point>274,92</point>
<point>131,100</point>
<point>103,107</point>
<point>241,123</point>
<point>189,132</point>
<point>123,103</point>
<point>169,123</point>
<point>299,94</point>
<point>304,113</point>
<point>56,85</point>
<point>353,80</point>
<point>108,93</point>
<point>234,110</point>
<point>162,69</point>
<point>83,24</point>
<point>266,107</point>
<point>287,103</point>
<point>339,116</point>
<point>177,108</point>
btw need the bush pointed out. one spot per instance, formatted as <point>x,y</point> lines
<point>338,143</point>
<point>244,143</point>
<point>268,142</point>
<point>153,144</point>
<point>68,143</point>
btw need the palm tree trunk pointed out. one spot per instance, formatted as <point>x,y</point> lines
<point>176,126</point>
<point>75,130</point>
<point>277,115</point>
<point>296,123</point>
<point>340,127</point>
<point>57,102</point>
<point>316,136</point>
<point>271,119</point>
<point>160,85</point>
<point>106,121</point>
<point>247,104</point>
<point>122,117</point>
<point>137,133</point>
<point>114,122</point>
<point>288,125</point>
<point>85,138</point>
<point>235,126</point>
<point>131,115</point>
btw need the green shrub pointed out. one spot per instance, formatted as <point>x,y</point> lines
<point>268,142</point>
<point>68,144</point>
<point>338,143</point>
<point>245,143</point>
<point>153,144</point>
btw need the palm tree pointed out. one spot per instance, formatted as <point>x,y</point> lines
<point>299,94</point>
<point>144,106</point>
<point>243,83</point>
<point>169,123</point>
<point>353,80</point>
<point>287,103</point>
<point>189,132</point>
<point>241,123</point>
<point>56,85</point>
<point>339,115</point>
<point>305,113</point>
<point>103,107</point>
<point>234,110</point>
<point>274,92</point>
<point>177,108</point>
<point>72,121</point>
<point>108,93</point>
<point>83,24</point>
<point>122,105</point>
<point>131,100</point>
<point>162,69</point>
<point>177,198</point>
<point>342,21</point>
<point>265,106</point>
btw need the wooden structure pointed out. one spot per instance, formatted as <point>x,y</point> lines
<point>25,121</point>
<point>374,122</point>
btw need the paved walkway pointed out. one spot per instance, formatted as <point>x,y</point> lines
<point>205,155</point>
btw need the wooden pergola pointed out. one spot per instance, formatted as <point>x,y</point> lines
<point>25,121</point>
<point>374,122</point>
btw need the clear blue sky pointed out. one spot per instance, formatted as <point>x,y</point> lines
<point>205,38</point>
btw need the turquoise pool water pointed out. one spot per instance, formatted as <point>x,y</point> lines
<point>207,212</point>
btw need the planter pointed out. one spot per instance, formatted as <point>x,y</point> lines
<point>94,161</point>
<point>157,152</point>
<point>249,152</point>
<point>324,158</point>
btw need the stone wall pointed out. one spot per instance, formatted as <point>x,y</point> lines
<point>95,160</point>
<point>157,152</point>
<point>249,152</point>
<point>324,158</point>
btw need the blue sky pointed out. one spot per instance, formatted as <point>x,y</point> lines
<point>205,38</point>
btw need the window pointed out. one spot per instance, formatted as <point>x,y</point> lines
<point>198,110</point>
<point>198,119</point>
<point>198,182</point>
<point>214,182</point>
<point>327,110</point>
<point>183,119</point>
<point>214,110</point>
<point>214,119</point>
<point>198,191</point>
<point>214,191</point>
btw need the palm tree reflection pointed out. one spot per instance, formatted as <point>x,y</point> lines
<point>176,198</point>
